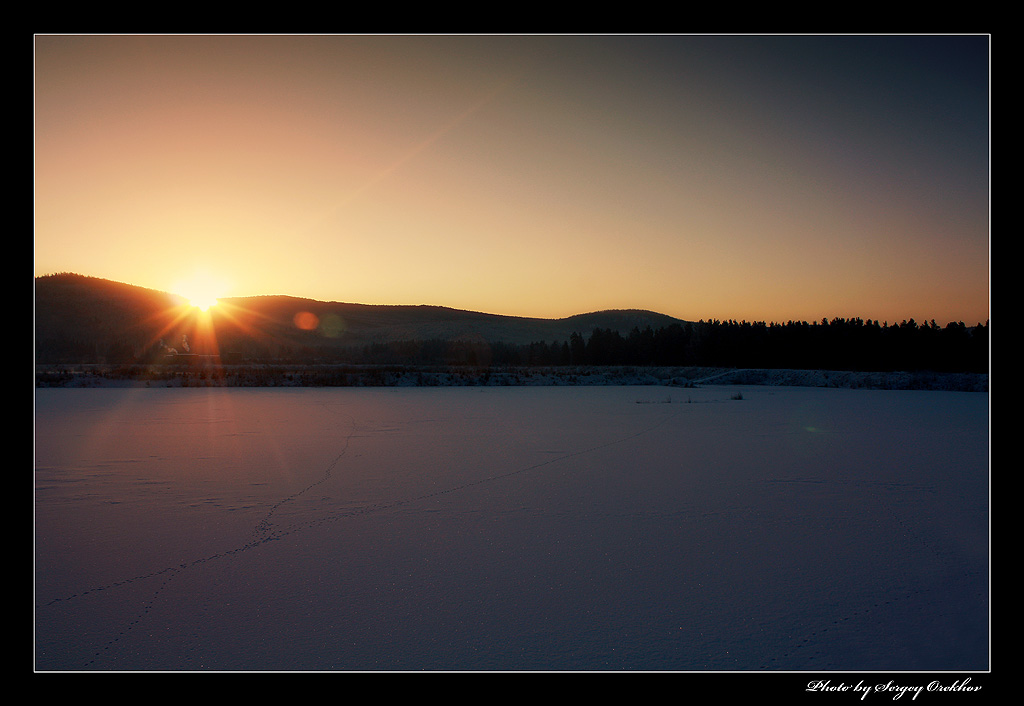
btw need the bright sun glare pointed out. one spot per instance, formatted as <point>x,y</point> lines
<point>201,291</point>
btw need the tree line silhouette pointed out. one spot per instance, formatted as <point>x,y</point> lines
<point>837,344</point>
<point>88,320</point>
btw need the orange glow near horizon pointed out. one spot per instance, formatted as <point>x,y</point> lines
<point>203,302</point>
<point>745,178</point>
<point>185,329</point>
<point>206,334</point>
<point>202,291</point>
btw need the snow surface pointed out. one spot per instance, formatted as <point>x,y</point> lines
<point>512,528</point>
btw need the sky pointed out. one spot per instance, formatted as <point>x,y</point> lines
<point>754,178</point>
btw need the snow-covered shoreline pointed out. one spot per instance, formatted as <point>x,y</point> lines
<point>271,375</point>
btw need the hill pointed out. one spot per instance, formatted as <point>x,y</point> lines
<point>84,319</point>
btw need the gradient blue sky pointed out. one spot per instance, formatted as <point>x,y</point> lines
<point>745,177</point>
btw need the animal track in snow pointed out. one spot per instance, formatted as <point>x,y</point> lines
<point>266,530</point>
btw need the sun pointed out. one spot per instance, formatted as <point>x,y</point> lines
<point>202,291</point>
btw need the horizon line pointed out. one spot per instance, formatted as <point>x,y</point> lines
<point>537,318</point>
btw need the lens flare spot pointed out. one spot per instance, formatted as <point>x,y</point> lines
<point>306,320</point>
<point>332,326</point>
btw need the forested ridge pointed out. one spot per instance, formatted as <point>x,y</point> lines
<point>837,344</point>
<point>87,320</point>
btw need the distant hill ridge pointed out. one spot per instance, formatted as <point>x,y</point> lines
<point>88,319</point>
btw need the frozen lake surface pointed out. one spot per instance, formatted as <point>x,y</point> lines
<point>532,528</point>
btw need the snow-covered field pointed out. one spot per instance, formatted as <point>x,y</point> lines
<point>511,528</point>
